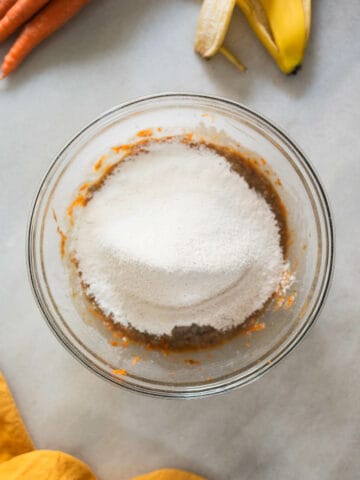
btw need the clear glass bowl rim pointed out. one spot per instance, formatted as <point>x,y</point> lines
<point>237,380</point>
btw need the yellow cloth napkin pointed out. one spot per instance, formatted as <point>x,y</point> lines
<point>20,461</point>
<point>169,474</point>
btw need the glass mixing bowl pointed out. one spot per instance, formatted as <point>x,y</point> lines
<point>239,361</point>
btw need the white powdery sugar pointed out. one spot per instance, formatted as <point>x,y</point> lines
<point>175,237</point>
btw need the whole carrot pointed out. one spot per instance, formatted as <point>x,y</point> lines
<point>5,5</point>
<point>18,15</point>
<point>50,19</point>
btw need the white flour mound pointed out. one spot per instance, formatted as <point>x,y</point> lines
<point>174,237</point>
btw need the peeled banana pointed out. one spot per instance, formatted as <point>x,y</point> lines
<point>283,26</point>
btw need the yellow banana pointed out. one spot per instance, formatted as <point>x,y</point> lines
<point>283,26</point>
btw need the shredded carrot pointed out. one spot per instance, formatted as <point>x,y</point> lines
<point>63,239</point>
<point>108,169</point>
<point>119,371</point>
<point>188,137</point>
<point>74,261</point>
<point>18,15</point>
<point>209,116</point>
<point>257,327</point>
<point>118,148</point>
<point>144,141</point>
<point>51,18</point>
<point>135,360</point>
<point>80,201</point>
<point>278,182</point>
<point>99,163</point>
<point>114,343</point>
<point>280,299</point>
<point>84,186</point>
<point>290,301</point>
<point>145,133</point>
<point>5,5</point>
<point>263,161</point>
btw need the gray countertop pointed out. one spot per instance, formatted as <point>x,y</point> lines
<point>300,421</point>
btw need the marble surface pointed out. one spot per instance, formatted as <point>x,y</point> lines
<point>300,421</point>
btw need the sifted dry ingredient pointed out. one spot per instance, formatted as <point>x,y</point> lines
<point>173,238</point>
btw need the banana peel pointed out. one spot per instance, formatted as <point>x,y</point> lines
<point>213,23</point>
<point>283,27</point>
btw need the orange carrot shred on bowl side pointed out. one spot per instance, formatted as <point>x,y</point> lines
<point>46,22</point>
<point>5,5</point>
<point>18,15</point>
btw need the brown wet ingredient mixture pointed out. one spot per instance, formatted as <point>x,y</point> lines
<point>197,337</point>
<point>182,339</point>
